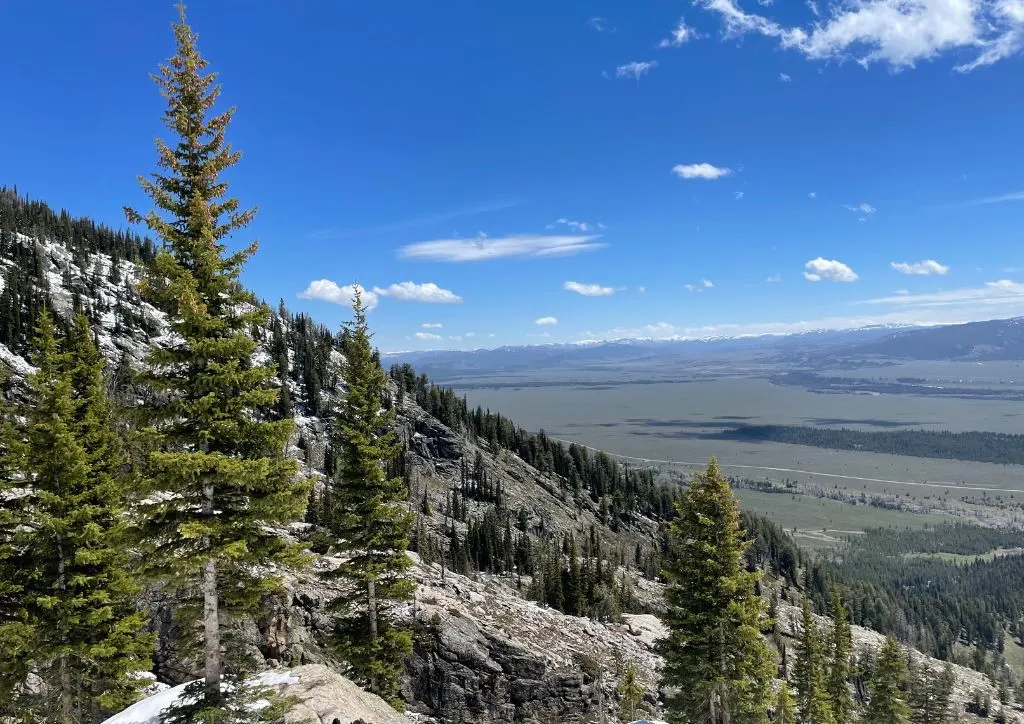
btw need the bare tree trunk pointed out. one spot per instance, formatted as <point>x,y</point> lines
<point>371,612</point>
<point>211,619</point>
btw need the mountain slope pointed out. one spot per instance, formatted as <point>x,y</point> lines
<point>997,339</point>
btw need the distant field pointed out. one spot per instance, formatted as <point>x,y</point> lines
<point>818,523</point>
<point>966,559</point>
<point>679,423</point>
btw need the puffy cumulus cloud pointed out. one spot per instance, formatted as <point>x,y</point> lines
<point>427,293</point>
<point>525,245</point>
<point>680,35</point>
<point>699,286</point>
<point>636,70</point>
<point>896,33</point>
<point>328,291</point>
<point>427,336</point>
<point>589,290</point>
<point>829,270</point>
<point>920,268</point>
<point>546,321</point>
<point>704,171</point>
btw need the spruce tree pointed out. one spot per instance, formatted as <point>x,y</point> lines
<point>368,520</point>
<point>810,673</point>
<point>840,651</point>
<point>219,479</point>
<point>78,625</point>
<point>784,705</point>
<point>929,693</point>
<point>631,693</point>
<point>888,704</point>
<point>717,665</point>
<point>13,630</point>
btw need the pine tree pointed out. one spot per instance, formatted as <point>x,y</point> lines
<point>13,630</point>
<point>929,693</point>
<point>784,705</point>
<point>368,521</point>
<point>840,651</point>
<point>77,599</point>
<point>631,693</point>
<point>716,662</point>
<point>220,478</point>
<point>810,673</point>
<point>888,704</point>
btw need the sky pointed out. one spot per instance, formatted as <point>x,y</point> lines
<point>496,173</point>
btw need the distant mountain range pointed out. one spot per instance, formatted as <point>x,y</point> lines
<point>1001,339</point>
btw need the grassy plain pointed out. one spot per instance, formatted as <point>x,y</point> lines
<point>677,423</point>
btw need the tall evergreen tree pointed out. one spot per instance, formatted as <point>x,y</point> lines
<point>840,650</point>
<point>368,520</point>
<point>888,704</point>
<point>716,662</point>
<point>220,478</point>
<point>13,630</point>
<point>784,705</point>
<point>929,693</point>
<point>810,673</point>
<point>77,617</point>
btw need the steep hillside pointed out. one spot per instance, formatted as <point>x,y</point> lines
<point>997,339</point>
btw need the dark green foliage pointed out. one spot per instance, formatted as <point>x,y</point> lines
<point>811,673</point>
<point>888,704</point>
<point>715,658</point>
<point>74,619</point>
<point>840,651</point>
<point>370,524</point>
<point>985,447</point>
<point>219,481</point>
<point>929,694</point>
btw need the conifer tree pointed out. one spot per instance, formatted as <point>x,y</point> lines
<point>716,663</point>
<point>219,476</point>
<point>810,673</point>
<point>888,704</point>
<point>840,651</point>
<point>784,705</point>
<point>13,669</point>
<point>929,693</point>
<point>78,624</point>
<point>631,693</point>
<point>368,520</point>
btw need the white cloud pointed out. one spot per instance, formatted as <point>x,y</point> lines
<point>581,226</point>
<point>707,283</point>
<point>600,25</point>
<point>525,245</point>
<point>699,286</point>
<point>432,325</point>
<point>1012,196</point>
<point>785,77</point>
<point>897,33</point>
<point>700,170</point>
<point>774,279</point>
<point>642,290</point>
<point>813,7</point>
<point>428,293</point>
<point>681,34</point>
<point>546,321</point>
<point>902,291</point>
<point>813,194</point>
<point>589,290</point>
<point>864,208</point>
<point>636,69</point>
<point>920,268</point>
<point>997,297</point>
<point>427,336</point>
<point>327,291</point>
<point>822,269</point>
<point>738,195</point>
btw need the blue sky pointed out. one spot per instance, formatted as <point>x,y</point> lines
<point>610,169</point>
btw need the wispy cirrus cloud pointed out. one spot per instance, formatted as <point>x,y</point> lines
<point>920,268</point>
<point>601,25</point>
<point>508,247</point>
<point>994,294</point>
<point>705,171</point>
<point>829,270</point>
<point>589,290</point>
<point>863,208</point>
<point>1001,199</point>
<point>635,70</point>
